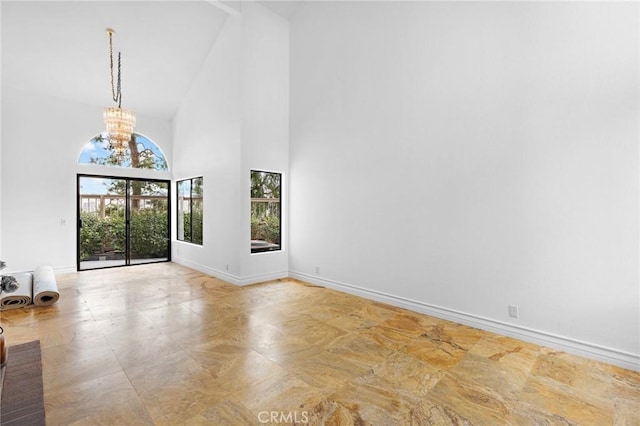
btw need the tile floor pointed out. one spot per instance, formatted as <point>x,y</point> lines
<point>166,345</point>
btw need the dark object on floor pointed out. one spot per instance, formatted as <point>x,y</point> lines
<point>9,284</point>
<point>22,395</point>
<point>3,361</point>
<point>3,350</point>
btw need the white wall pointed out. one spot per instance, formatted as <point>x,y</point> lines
<point>265,125</point>
<point>41,141</point>
<point>235,119</point>
<point>461,157</point>
<point>1,139</point>
<point>206,142</point>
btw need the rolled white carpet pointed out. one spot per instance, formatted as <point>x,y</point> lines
<point>45,288</point>
<point>21,297</point>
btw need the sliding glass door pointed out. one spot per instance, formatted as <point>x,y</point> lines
<point>149,221</point>
<point>122,221</point>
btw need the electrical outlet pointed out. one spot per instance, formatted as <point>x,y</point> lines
<point>317,270</point>
<point>513,311</point>
<point>226,267</point>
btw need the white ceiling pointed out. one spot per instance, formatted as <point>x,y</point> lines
<point>285,8</point>
<point>60,48</point>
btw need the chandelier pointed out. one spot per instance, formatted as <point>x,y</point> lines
<point>119,121</point>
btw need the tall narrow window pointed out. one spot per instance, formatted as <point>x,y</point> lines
<point>266,215</point>
<point>190,210</point>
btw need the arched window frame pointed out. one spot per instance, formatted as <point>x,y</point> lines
<point>149,155</point>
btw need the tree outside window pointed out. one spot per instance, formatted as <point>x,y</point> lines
<point>140,153</point>
<point>190,210</point>
<point>266,211</point>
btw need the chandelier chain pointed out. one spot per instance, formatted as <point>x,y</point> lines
<point>116,91</point>
<point>120,122</point>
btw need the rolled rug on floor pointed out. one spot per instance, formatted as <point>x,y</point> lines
<point>9,283</point>
<point>21,297</point>
<point>45,288</point>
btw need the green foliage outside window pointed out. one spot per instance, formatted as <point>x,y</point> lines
<point>149,233</point>
<point>101,235</point>
<point>190,210</point>
<point>193,226</point>
<point>140,153</point>
<point>106,235</point>
<point>266,228</point>
<point>265,211</point>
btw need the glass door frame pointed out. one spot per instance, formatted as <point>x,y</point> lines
<point>127,204</point>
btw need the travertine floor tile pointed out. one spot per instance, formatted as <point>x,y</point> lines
<point>107,400</point>
<point>166,345</point>
<point>403,375</point>
<point>280,393</point>
<point>353,320</point>
<point>541,398</point>
<point>144,351</point>
<point>288,351</point>
<point>77,362</point>
<point>327,371</point>
<point>368,404</point>
<point>228,412</point>
<point>360,350</point>
<point>514,354</point>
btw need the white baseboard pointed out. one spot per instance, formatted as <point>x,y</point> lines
<point>57,270</point>
<point>65,269</point>
<point>231,278</point>
<point>223,275</point>
<point>261,278</point>
<point>601,353</point>
<point>589,350</point>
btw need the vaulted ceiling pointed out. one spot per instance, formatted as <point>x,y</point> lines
<point>60,48</point>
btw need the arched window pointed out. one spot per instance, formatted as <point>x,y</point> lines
<point>141,153</point>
